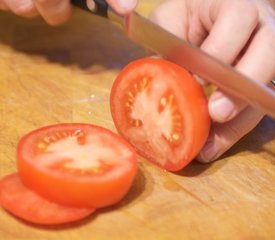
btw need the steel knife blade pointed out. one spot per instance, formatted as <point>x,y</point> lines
<point>144,32</point>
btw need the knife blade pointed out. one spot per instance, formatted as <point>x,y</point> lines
<point>151,36</point>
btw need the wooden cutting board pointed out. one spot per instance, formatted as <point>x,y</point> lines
<point>63,74</point>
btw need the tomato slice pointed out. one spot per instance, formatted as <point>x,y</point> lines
<point>79,165</point>
<point>19,200</point>
<point>161,110</point>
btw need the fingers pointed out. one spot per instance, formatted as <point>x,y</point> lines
<point>232,35</point>
<point>54,11</point>
<point>224,136</point>
<point>258,63</point>
<point>123,6</point>
<point>24,8</point>
<point>57,11</point>
<point>228,35</point>
<point>182,22</point>
<point>231,30</point>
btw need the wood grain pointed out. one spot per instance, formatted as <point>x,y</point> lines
<point>64,74</point>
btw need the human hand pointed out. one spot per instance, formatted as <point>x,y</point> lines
<point>56,12</point>
<point>238,32</point>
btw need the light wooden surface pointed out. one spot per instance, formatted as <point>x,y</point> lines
<point>50,75</point>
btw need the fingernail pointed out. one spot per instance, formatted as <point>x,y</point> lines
<point>221,109</point>
<point>209,152</point>
<point>127,4</point>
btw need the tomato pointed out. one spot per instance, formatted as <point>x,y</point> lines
<point>16,198</point>
<point>79,165</point>
<point>161,110</point>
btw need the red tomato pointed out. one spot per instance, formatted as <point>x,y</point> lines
<point>161,110</point>
<point>25,204</point>
<point>78,165</point>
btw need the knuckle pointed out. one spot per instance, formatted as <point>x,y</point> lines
<point>244,5</point>
<point>247,10</point>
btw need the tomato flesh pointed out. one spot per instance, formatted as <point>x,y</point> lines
<point>161,110</point>
<point>79,165</point>
<point>19,200</point>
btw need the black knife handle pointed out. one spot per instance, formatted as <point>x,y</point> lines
<point>98,7</point>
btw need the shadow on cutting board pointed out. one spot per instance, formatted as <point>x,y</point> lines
<point>87,42</point>
<point>258,140</point>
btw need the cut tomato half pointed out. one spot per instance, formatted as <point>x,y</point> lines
<point>19,200</point>
<point>161,110</point>
<point>79,165</point>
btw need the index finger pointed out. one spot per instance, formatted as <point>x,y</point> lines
<point>232,27</point>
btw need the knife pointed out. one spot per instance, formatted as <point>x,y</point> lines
<point>149,35</point>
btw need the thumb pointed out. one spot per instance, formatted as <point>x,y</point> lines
<point>123,6</point>
<point>224,136</point>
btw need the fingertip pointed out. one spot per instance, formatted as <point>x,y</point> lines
<point>123,6</point>
<point>221,109</point>
<point>223,136</point>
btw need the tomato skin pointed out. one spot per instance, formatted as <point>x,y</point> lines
<point>74,188</point>
<point>191,103</point>
<point>16,198</point>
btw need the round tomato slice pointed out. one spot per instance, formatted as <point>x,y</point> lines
<point>161,110</point>
<point>79,165</point>
<point>19,200</point>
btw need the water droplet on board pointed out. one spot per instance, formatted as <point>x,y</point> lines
<point>92,96</point>
<point>172,186</point>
